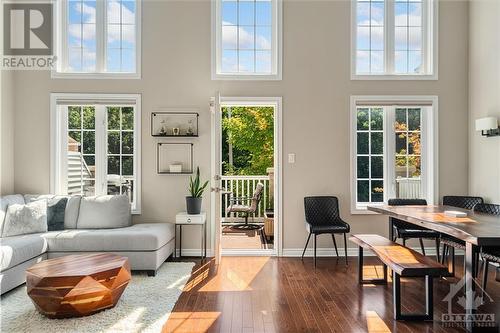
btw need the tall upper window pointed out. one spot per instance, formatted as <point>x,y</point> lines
<point>96,144</point>
<point>247,39</point>
<point>394,39</point>
<point>393,150</point>
<point>99,37</point>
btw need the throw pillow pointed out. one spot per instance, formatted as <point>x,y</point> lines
<point>55,213</point>
<point>25,219</point>
<point>104,212</point>
<point>56,209</point>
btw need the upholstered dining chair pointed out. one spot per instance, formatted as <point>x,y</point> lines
<point>405,230</point>
<point>323,217</point>
<point>451,243</point>
<point>246,205</point>
<point>489,253</point>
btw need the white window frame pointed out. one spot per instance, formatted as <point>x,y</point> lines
<point>430,144</point>
<point>58,140</point>
<point>277,46</point>
<point>430,44</point>
<point>61,44</point>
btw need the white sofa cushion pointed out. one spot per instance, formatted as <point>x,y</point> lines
<point>25,219</point>
<point>102,212</point>
<point>18,249</point>
<point>5,201</point>
<point>72,211</point>
<point>139,237</point>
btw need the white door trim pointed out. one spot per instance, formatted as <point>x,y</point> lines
<point>276,102</point>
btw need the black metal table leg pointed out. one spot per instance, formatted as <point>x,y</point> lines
<point>180,241</point>
<point>205,238</point>
<point>429,307</point>
<point>469,284</point>
<point>362,280</point>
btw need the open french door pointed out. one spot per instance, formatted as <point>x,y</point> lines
<point>216,191</point>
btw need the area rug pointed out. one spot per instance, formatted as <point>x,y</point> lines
<point>145,306</point>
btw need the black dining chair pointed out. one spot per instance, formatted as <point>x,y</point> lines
<point>450,244</point>
<point>489,253</point>
<point>406,230</point>
<point>323,217</point>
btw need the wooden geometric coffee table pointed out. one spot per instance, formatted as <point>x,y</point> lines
<point>77,285</point>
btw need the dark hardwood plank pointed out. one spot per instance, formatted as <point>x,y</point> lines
<point>290,295</point>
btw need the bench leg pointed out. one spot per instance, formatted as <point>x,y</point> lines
<point>429,306</point>
<point>361,280</point>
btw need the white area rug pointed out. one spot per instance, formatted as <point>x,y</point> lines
<point>145,306</point>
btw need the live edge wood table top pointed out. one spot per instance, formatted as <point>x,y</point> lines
<point>478,229</point>
<point>77,285</point>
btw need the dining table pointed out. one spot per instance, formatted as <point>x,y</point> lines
<point>475,229</point>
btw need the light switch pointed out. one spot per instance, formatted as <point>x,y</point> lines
<point>291,158</point>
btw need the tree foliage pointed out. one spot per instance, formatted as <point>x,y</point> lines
<point>250,131</point>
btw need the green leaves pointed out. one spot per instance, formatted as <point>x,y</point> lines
<point>195,189</point>
<point>250,131</point>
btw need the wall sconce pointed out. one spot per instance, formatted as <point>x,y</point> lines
<point>488,126</point>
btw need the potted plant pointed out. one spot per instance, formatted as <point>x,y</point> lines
<point>193,202</point>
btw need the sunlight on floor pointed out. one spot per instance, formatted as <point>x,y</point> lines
<point>375,324</point>
<point>190,322</point>
<point>233,276</point>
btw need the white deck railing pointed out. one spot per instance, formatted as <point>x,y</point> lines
<point>244,186</point>
<point>409,188</point>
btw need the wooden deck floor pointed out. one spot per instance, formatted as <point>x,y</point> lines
<point>244,239</point>
<point>261,294</point>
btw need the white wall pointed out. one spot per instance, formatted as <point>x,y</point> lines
<point>6,133</point>
<point>484,92</point>
<point>316,87</point>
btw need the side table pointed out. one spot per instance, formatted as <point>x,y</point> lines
<point>184,218</point>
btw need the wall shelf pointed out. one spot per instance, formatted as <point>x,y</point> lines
<point>174,155</point>
<point>174,124</point>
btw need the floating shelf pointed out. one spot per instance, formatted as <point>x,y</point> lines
<point>174,124</point>
<point>174,155</point>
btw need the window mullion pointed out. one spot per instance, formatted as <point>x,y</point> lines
<point>426,37</point>
<point>100,150</point>
<point>389,36</point>
<point>101,16</point>
<point>389,156</point>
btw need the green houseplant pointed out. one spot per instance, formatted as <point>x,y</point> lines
<point>193,202</point>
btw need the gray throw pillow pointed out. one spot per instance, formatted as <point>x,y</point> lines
<point>55,213</point>
<point>25,219</point>
<point>104,212</point>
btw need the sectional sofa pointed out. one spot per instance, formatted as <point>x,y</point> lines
<point>91,224</point>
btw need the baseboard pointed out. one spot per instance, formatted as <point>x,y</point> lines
<point>297,252</point>
<point>351,252</point>
<point>194,252</point>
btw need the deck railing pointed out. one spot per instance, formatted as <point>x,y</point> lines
<point>244,186</point>
<point>409,188</point>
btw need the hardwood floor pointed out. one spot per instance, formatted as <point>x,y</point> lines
<point>262,294</point>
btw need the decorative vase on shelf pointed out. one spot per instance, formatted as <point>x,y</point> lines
<point>196,189</point>
<point>162,129</point>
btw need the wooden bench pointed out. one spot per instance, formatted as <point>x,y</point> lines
<point>403,262</point>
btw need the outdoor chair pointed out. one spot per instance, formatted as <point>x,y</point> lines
<point>246,206</point>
